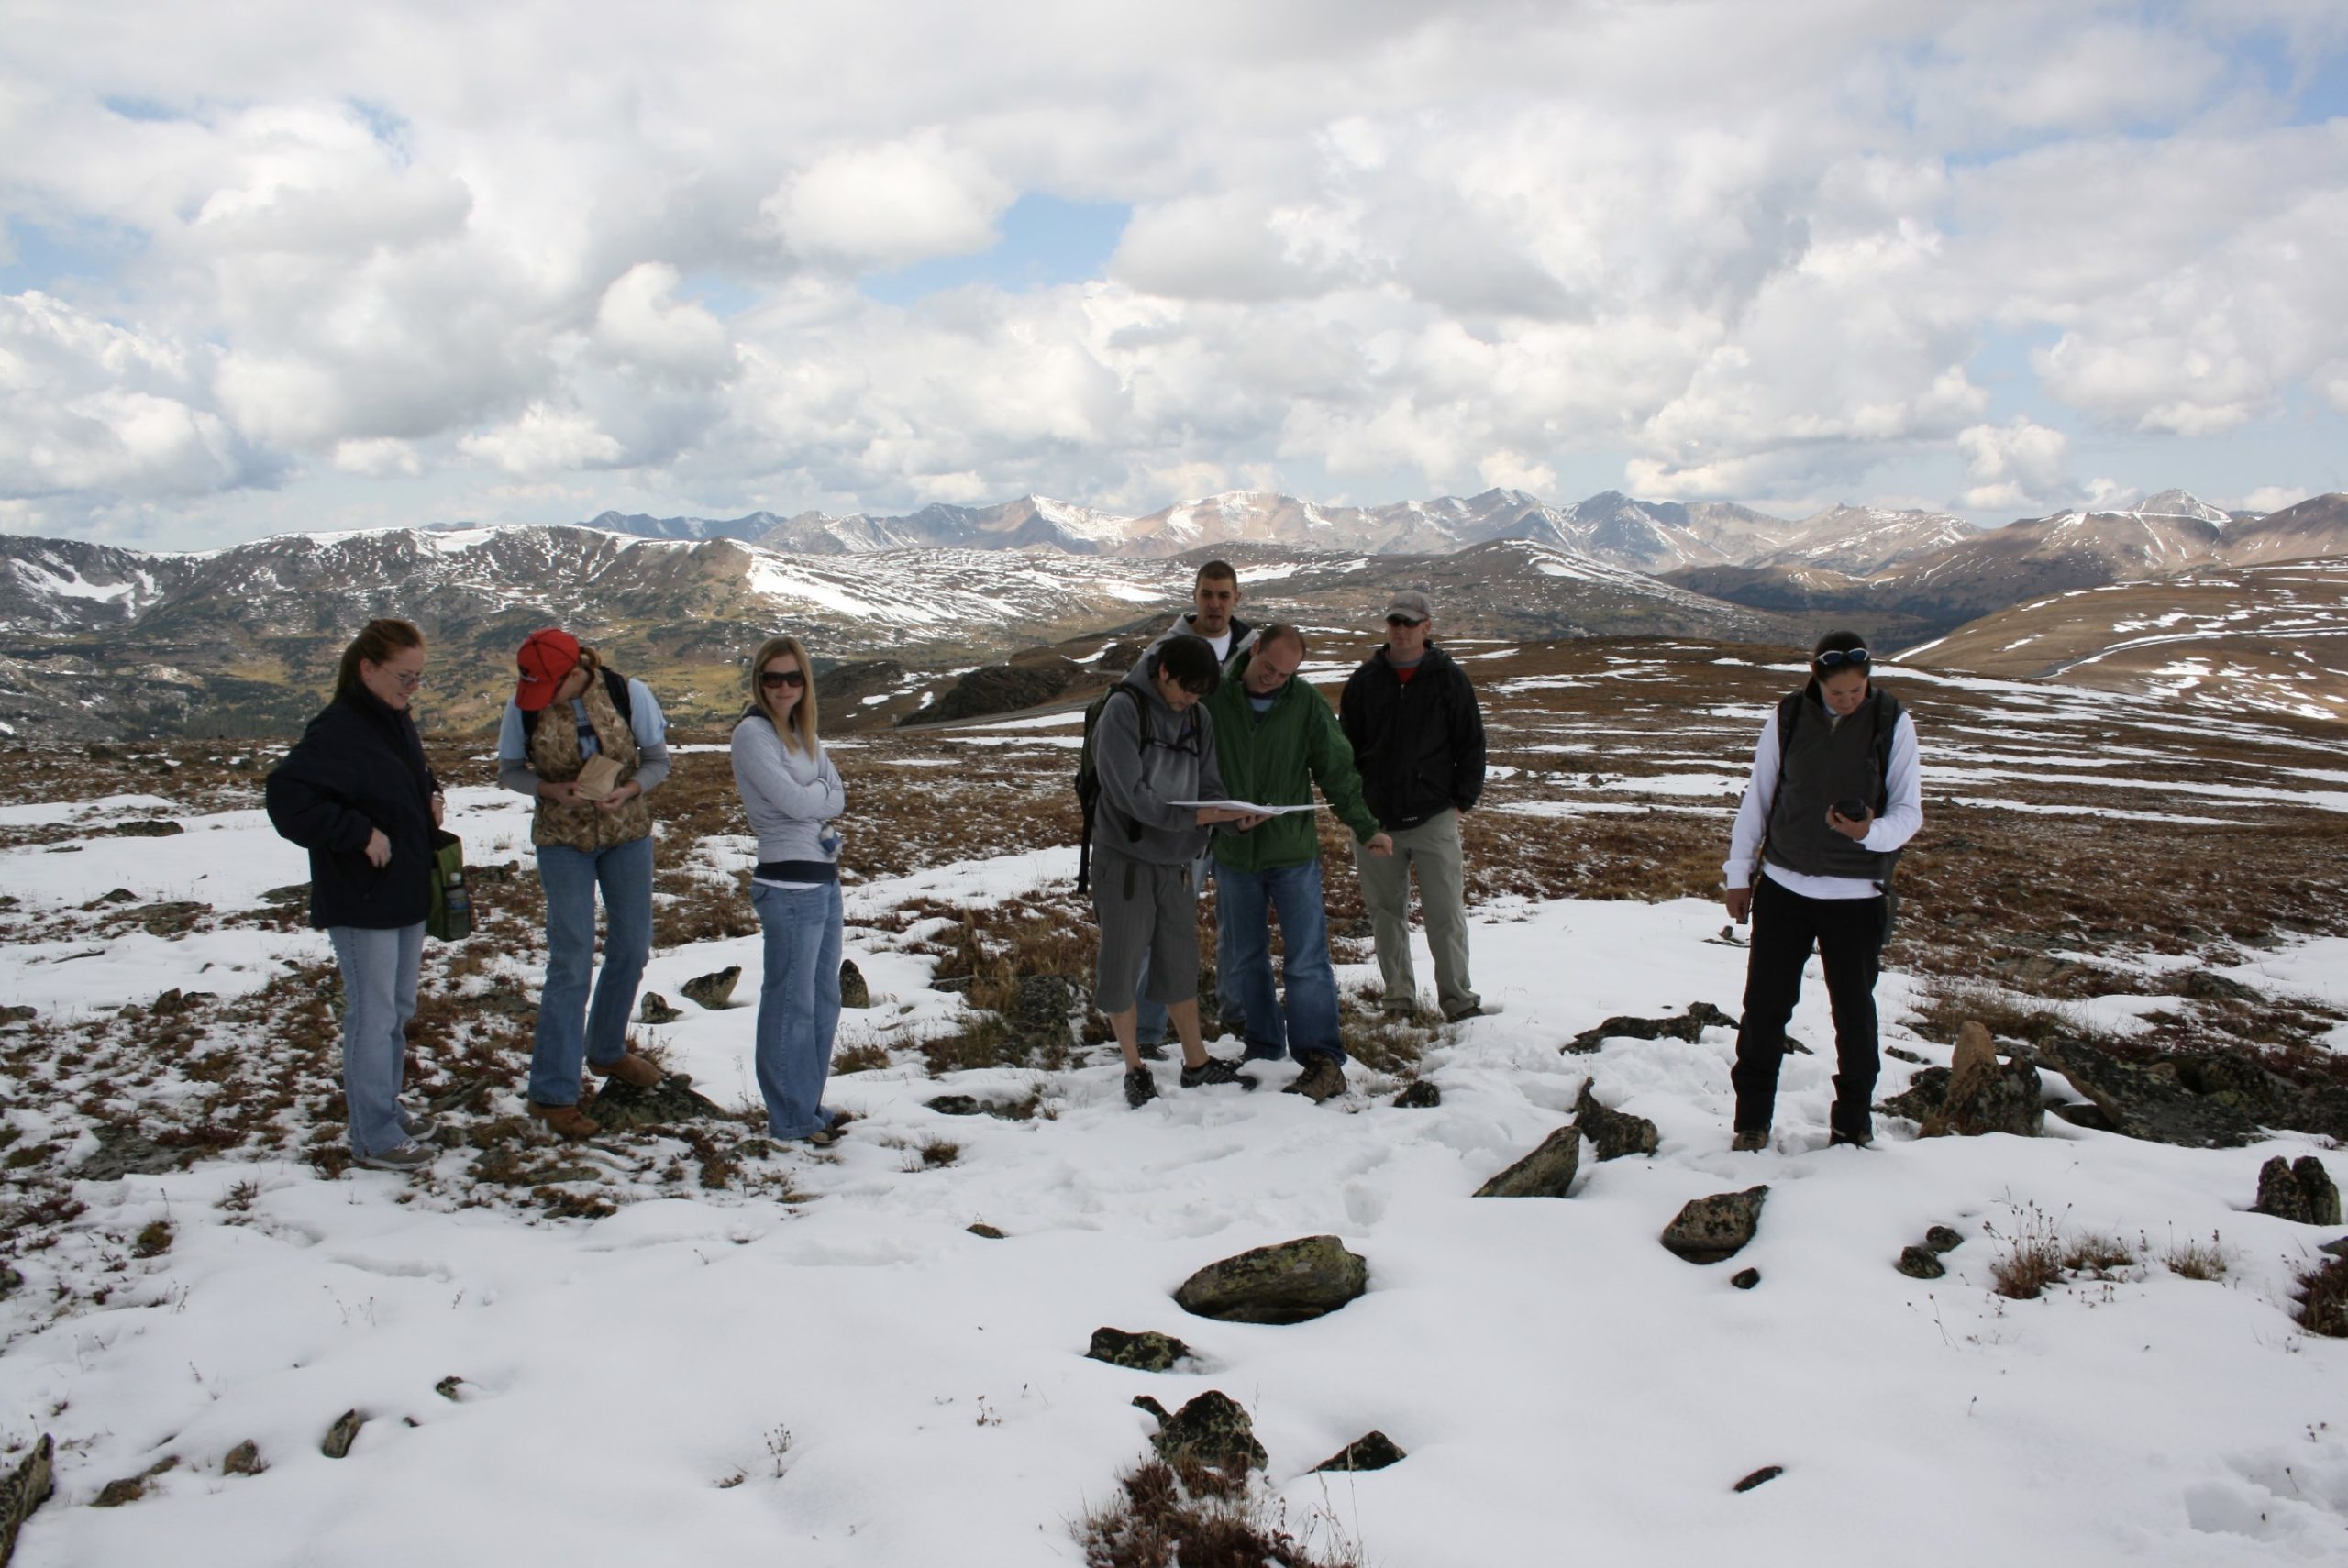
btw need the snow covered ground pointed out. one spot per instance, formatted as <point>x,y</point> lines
<point>857,1379</point>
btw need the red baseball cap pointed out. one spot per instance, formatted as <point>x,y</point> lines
<point>545,657</point>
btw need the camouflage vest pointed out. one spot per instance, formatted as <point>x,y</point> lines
<point>555,755</point>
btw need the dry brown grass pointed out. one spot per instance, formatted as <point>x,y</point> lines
<point>2323,1298</point>
<point>1190,1516</point>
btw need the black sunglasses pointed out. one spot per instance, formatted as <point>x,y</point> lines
<point>773,678</point>
<point>1403,621</point>
<point>1835,658</point>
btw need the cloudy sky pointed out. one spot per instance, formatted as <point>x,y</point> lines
<point>280,265</point>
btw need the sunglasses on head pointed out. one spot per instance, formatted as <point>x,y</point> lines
<point>771,679</point>
<point>1835,658</point>
<point>1403,621</point>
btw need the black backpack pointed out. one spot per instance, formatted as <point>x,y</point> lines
<point>615,684</point>
<point>1088,775</point>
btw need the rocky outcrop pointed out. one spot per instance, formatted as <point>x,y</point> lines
<point>1288,1283</point>
<point>1982,1094</point>
<point>1686,1026</point>
<point>24,1489</point>
<point>1371,1450</point>
<point>1212,1430</point>
<point>2301,1190</point>
<point>1711,1229</point>
<point>1614,1133</point>
<point>713,992</point>
<point>1148,1351</point>
<point>2153,1101</point>
<point>122,1152</point>
<point>1002,688</point>
<point>1546,1172</point>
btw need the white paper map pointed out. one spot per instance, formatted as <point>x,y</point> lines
<point>1247,806</point>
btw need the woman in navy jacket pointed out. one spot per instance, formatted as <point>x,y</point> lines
<point>357,793</point>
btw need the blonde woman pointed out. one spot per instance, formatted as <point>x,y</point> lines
<point>791,793</point>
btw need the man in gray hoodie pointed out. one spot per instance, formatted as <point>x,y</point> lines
<point>1152,747</point>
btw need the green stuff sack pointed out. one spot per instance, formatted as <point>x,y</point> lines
<point>450,918</point>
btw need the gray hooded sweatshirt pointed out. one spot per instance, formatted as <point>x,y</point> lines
<point>1138,782</point>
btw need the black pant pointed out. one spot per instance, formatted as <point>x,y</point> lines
<point>1848,934</point>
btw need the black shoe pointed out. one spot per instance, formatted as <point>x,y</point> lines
<point>1481,1010</point>
<point>1856,1140</point>
<point>1215,1070</point>
<point>1140,1087</point>
<point>1262,1053</point>
<point>1322,1078</point>
<point>1152,1050</point>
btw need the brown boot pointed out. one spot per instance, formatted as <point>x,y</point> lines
<point>633,1070</point>
<point>567,1119</point>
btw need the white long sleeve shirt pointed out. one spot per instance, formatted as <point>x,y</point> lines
<point>1903,814</point>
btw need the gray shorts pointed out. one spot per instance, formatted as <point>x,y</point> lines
<point>1144,909</point>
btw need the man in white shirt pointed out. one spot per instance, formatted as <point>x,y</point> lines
<point>1836,794</point>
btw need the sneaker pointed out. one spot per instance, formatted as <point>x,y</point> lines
<point>1215,1070</point>
<point>418,1125</point>
<point>1153,1050</point>
<point>409,1156</point>
<point>1481,1010</point>
<point>1322,1079</point>
<point>567,1119</point>
<point>631,1069</point>
<point>1140,1087</point>
<point>1750,1142</point>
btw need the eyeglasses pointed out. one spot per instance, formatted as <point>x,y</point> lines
<point>1835,658</point>
<point>1403,621</point>
<point>406,681</point>
<point>772,678</point>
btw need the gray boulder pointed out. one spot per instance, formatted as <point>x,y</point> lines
<point>1921,1262</point>
<point>654,1009</point>
<point>1039,1011</point>
<point>24,1489</point>
<point>2302,1191</point>
<point>1288,1283</point>
<point>1985,1095</point>
<point>1211,1430</point>
<point>2154,1100</point>
<point>1546,1172</point>
<point>854,992</point>
<point>1148,1351</point>
<point>1710,1230</point>
<point>1614,1133</point>
<point>342,1434</point>
<point>713,992</point>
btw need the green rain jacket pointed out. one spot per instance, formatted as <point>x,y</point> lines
<point>1275,760</point>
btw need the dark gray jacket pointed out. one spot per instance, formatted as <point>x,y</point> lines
<point>1147,756</point>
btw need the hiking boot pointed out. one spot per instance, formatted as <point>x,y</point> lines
<point>631,1069</point>
<point>1481,1010</point>
<point>1215,1070</point>
<point>1750,1142</point>
<point>567,1119</point>
<point>1140,1087</point>
<point>1322,1079</point>
<point>408,1156</point>
<point>418,1125</point>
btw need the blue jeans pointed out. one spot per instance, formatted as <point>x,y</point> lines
<point>1152,1027</point>
<point>378,973</point>
<point>571,878</point>
<point>1245,902</point>
<point>798,1003</point>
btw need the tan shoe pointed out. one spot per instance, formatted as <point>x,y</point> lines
<point>633,1070</point>
<point>567,1119</point>
<point>1750,1143</point>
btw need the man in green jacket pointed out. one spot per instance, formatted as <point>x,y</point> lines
<point>1276,738</point>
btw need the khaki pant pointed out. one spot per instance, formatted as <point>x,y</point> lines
<point>1433,848</point>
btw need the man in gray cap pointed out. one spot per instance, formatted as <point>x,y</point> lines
<point>1418,738</point>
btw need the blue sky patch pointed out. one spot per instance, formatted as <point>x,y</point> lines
<point>1045,241</point>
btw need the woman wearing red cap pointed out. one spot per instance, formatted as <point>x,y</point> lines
<point>588,747</point>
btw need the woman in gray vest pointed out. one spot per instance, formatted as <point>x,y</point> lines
<point>587,746</point>
<point>1834,796</point>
